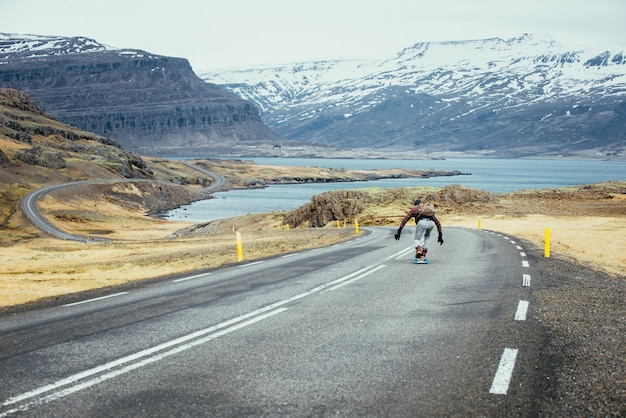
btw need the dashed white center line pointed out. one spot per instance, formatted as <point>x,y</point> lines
<point>500,384</point>
<point>525,264</point>
<point>522,309</point>
<point>525,280</point>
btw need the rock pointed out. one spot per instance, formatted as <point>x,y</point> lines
<point>44,158</point>
<point>326,207</point>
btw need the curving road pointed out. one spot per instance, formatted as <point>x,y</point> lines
<point>219,182</point>
<point>29,207</point>
<point>354,329</point>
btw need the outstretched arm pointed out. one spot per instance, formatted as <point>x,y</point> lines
<point>439,230</point>
<point>414,212</point>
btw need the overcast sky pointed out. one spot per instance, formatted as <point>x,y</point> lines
<point>215,34</point>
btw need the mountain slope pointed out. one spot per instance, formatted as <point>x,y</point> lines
<point>38,151</point>
<point>148,103</point>
<point>522,96</point>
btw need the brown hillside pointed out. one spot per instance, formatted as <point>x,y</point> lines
<point>38,151</point>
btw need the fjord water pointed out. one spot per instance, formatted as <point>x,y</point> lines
<point>492,175</point>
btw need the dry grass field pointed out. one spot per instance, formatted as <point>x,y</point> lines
<point>586,225</point>
<point>46,267</point>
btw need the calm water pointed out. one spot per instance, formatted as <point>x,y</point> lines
<point>493,175</point>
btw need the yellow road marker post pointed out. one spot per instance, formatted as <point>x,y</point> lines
<point>546,251</point>
<point>239,247</point>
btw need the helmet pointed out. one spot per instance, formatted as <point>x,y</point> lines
<point>417,202</point>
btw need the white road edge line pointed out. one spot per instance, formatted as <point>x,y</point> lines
<point>502,379</point>
<point>95,299</point>
<point>522,309</point>
<point>251,264</point>
<point>151,353</point>
<point>183,279</point>
<point>128,368</point>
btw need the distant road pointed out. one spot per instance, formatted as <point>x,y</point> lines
<point>29,207</point>
<point>31,211</point>
<point>218,181</point>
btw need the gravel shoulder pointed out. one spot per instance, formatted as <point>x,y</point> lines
<point>582,313</point>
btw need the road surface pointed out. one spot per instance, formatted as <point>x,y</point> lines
<point>354,329</point>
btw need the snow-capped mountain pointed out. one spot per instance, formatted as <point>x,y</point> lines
<point>27,45</point>
<point>22,46</point>
<point>522,96</point>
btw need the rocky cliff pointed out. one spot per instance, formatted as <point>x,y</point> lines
<point>37,151</point>
<point>148,103</point>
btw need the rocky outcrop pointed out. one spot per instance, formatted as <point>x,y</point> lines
<point>50,143</point>
<point>326,207</point>
<point>4,160</point>
<point>346,205</point>
<point>148,103</point>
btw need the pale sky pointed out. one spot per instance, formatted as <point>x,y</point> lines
<point>218,34</point>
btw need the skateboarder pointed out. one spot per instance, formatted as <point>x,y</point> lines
<point>425,221</point>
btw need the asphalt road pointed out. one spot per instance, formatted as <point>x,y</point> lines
<point>28,204</point>
<point>355,329</point>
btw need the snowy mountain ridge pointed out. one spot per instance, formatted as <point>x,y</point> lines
<point>429,92</point>
<point>29,46</point>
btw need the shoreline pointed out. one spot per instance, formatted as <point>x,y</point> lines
<point>371,154</point>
